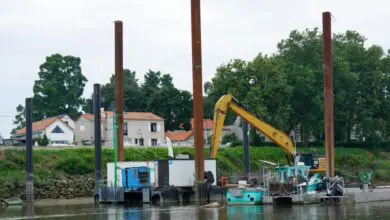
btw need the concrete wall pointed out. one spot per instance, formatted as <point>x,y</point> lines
<point>376,196</point>
<point>83,130</point>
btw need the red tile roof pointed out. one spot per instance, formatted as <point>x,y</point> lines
<point>90,117</point>
<point>179,136</point>
<point>39,125</point>
<point>141,116</point>
<point>127,116</point>
<point>207,124</point>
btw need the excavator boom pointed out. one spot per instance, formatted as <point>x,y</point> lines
<point>229,102</point>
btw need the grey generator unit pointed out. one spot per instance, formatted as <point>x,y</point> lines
<point>181,172</point>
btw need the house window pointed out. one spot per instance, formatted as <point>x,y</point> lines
<point>125,129</point>
<point>154,142</point>
<point>82,127</point>
<point>141,142</point>
<point>136,141</point>
<point>153,127</point>
<point>57,130</point>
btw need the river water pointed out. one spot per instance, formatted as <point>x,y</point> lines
<point>305,212</point>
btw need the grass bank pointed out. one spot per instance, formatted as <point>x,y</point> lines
<point>57,163</point>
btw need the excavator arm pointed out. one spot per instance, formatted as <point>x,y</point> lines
<point>229,102</point>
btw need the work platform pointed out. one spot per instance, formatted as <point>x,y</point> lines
<point>172,196</point>
<point>352,195</point>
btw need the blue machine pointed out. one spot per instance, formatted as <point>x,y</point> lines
<point>135,178</point>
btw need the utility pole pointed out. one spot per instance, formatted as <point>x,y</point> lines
<point>119,86</point>
<point>198,96</point>
<point>328,92</point>
<point>29,167</point>
<point>98,132</point>
<point>246,145</point>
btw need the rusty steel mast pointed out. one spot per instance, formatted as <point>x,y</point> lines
<point>328,92</point>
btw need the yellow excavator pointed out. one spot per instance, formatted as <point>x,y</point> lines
<point>318,165</point>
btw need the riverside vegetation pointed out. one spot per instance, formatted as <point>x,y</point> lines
<point>69,173</point>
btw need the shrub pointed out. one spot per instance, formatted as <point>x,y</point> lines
<point>73,165</point>
<point>44,141</point>
<point>236,143</point>
<point>228,138</point>
<point>382,175</point>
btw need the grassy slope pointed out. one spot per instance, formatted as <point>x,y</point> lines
<point>55,163</point>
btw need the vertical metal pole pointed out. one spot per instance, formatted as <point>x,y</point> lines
<point>205,129</point>
<point>114,119</point>
<point>197,88</point>
<point>119,85</point>
<point>98,132</point>
<point>328,92</point>
<point>246,146</point>
<point>29,168</point>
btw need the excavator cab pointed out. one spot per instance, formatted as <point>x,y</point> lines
<point>308,159</point>
<point>317,164</point>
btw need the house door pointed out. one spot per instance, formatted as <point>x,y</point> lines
<point>141,142</point>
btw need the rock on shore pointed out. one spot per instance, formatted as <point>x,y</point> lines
<point>66,188</point>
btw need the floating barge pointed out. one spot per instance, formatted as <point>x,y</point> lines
<point>172,182</point>
<point>160,181</point>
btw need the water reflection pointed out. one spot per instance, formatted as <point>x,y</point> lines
<point>305,212</point>
<point>244,212</point>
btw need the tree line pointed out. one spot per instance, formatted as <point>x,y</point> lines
<point>284,89</point>
<point>61,84</point>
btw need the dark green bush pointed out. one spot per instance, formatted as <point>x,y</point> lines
<point>236,143</point>
<point>228,138</point>
<point>73,165</point>
<point>382,175</point>
<point>7,165</point>
<point>44,141</point>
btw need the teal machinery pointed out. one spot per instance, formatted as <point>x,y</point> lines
<point>135,179</point>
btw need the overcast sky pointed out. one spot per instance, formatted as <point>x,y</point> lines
<point>157,36</point>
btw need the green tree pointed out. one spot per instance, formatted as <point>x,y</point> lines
<point>232,77</point>
<point>301,57</point>
<point>132,98</point>
<point>348,54</point>
<point>157,95</point>
<point>88,105</point>
<point>150,88</point>
<point>288,86</point>
<point>163,99</point>
<point>269,94</point>
<point>59,87</point>
<point>259,84</point>
<point>20,120</point>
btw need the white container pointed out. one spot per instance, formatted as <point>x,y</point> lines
<point>179,173</point>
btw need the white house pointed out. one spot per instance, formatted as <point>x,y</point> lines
<point>58,131</point>
<point>68,120</point>
<point>139,129</point>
